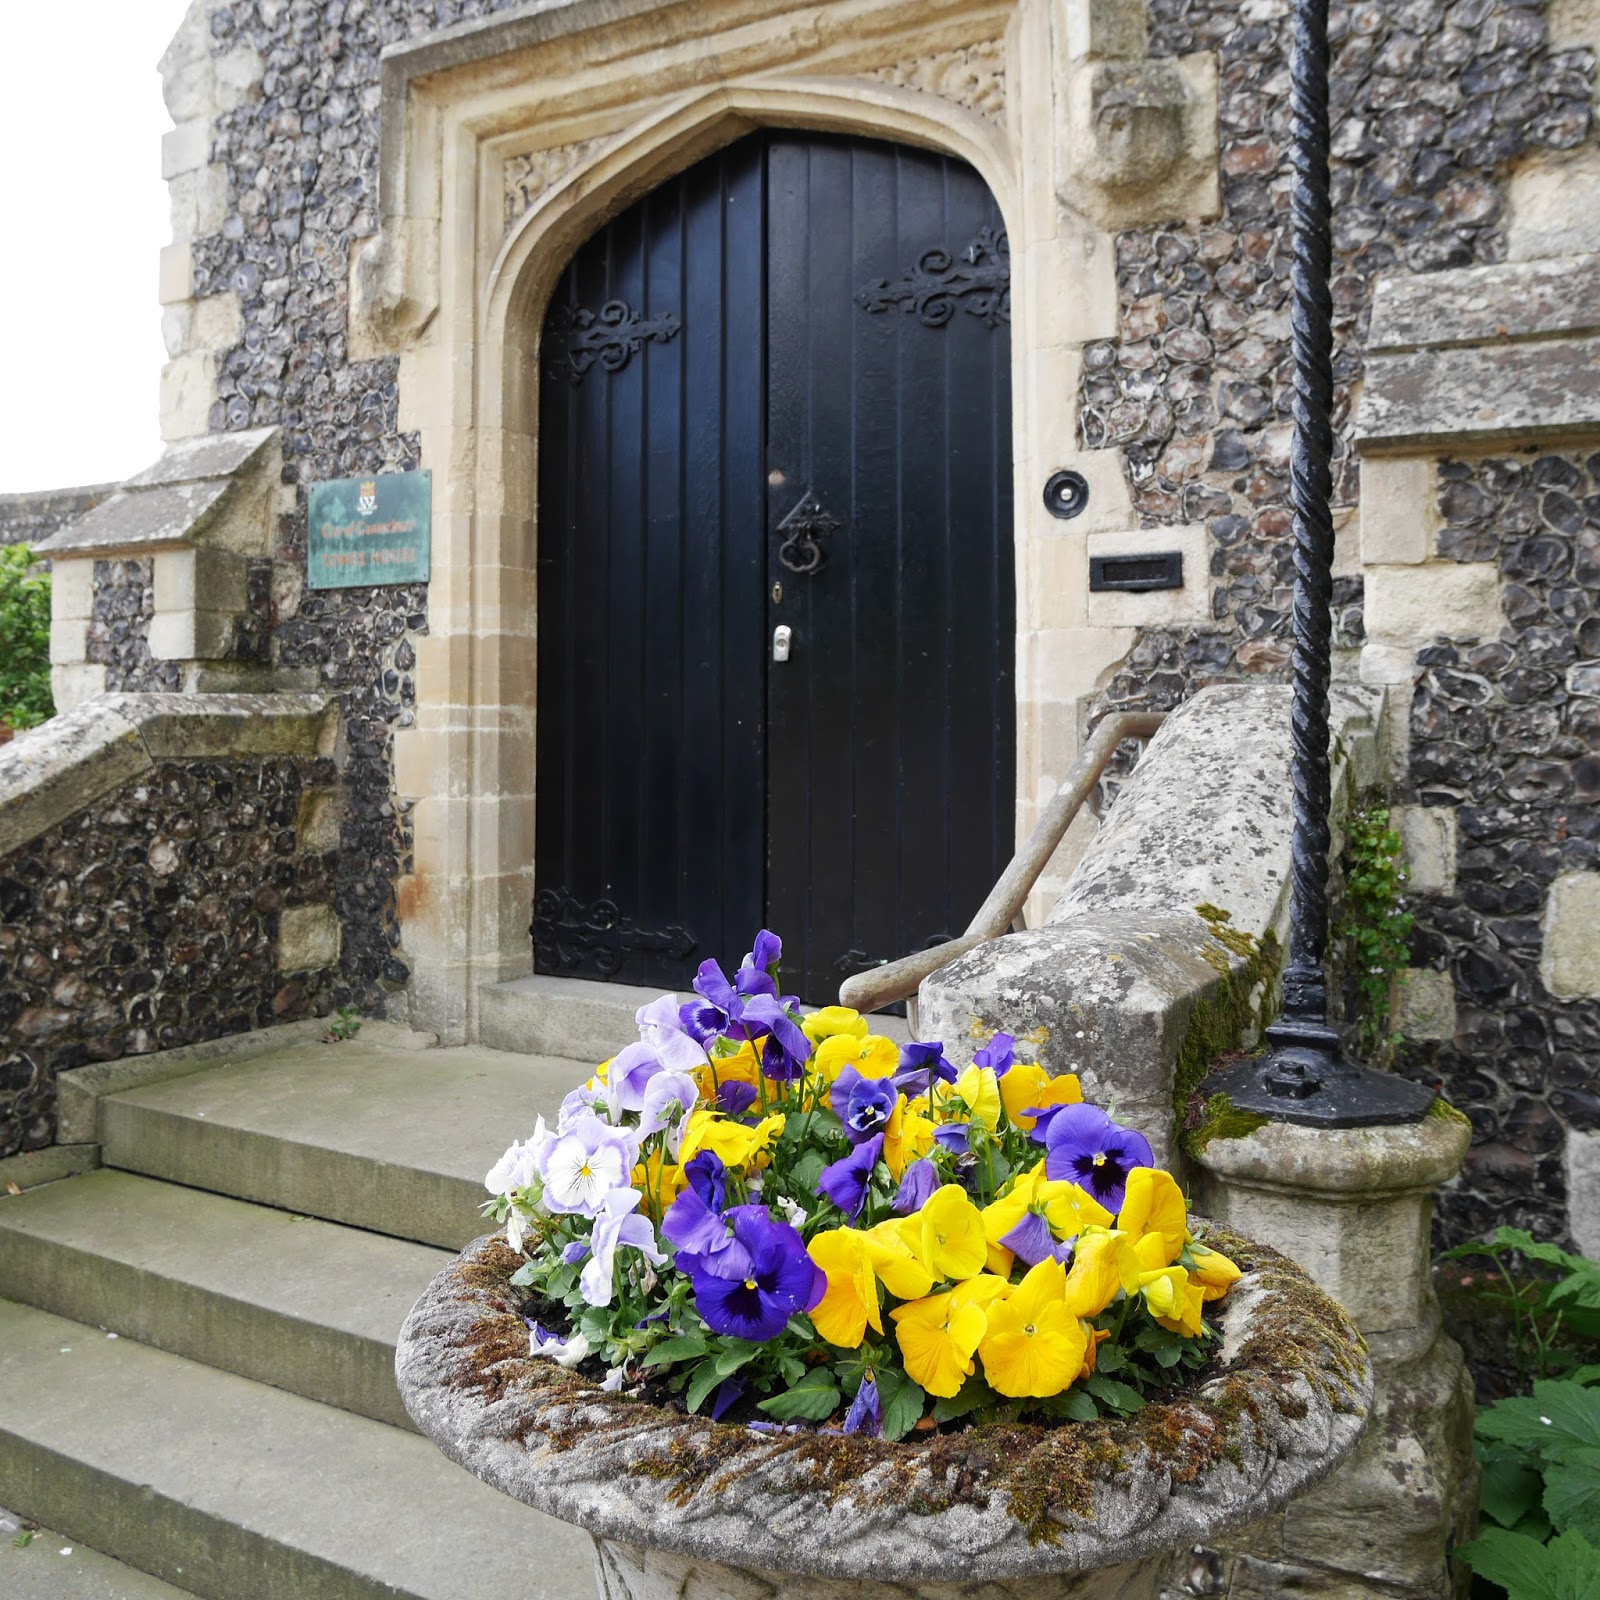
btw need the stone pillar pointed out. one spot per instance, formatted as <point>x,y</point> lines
<point>1353,1207</point>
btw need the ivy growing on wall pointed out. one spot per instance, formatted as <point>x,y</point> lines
<point>1374,930</point>
<point>24,639</point>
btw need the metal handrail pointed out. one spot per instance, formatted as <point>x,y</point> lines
<point>899,980</point>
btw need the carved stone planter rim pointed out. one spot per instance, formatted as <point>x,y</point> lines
<point>1288,1401</point>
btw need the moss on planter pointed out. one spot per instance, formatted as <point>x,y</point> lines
<point>1296,1339</point>
<point>1245,968</point>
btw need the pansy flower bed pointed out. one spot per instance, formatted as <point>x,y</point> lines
<point>789,1221</point>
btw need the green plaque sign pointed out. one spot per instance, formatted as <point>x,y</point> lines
<point>370,530</point>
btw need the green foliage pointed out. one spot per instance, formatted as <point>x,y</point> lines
<point>1548,1297</point>
<point>1374,931</point>
<point>1540,1452</point>
<point>24,639</point>
<point>344,1024</point>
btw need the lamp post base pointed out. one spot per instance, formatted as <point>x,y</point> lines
<point>1306,1078</point>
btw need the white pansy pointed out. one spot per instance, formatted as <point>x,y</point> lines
<point>519,1166</point>
<point>616,1226</point>
<point>564,1352</point>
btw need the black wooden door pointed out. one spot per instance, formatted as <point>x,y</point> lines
<point>775,393</point>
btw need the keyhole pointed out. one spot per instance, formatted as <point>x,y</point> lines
<point>777,593</point>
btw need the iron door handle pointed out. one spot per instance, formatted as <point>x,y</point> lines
<point>781,636</point>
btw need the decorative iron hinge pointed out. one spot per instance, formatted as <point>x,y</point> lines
<point>576,338</point>
<point>979,281</point>
<point>569,935</point>
<point>801,530</point>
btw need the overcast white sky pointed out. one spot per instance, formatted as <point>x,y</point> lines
<point>83,216</point>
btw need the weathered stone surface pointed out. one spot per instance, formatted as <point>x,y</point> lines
<point>1107,995</point>
<point>308,938</point>
<point>212,455</point>
<point>153,519</point>
<point>1569,962</point>
<point>1351,1205</point>
<point>1545,390</point>
<point>1583,1174</point>
<point>1487,305</point>
<point>1285,1406</point>
<point>32,518</point>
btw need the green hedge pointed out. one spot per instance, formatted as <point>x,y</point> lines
<point>24,639</point>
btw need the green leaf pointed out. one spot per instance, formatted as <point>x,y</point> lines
<point>1556,1417</point>
<point>1584,1374</point>
<point>803,1175</point>
<point>702,1381</point>
<point>524,1275</point>
<point>1572,1493</point>
<point>1079,1406</point>
<point>1511,1487</point>
<point>682,1347</point>
<point>1118,1396</point>
<point>1568,1568</point>
<point>729,1361</point>
<point>973,1395</point>
<point>1581,1288</point>
<point>902,1401</point>
<point>814,1399</point>
<point>1109,1358</point>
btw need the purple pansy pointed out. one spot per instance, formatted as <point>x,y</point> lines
<point>916,1187</point>
<point>845,1181</point>
<point>629,1074</point>
<point>920,1065</point>
<point>952,1136</point>
<point>661,1027</point>
<point>734,1098</point>
<point>1032,1241</point>
<point>708,1177</point>
<point>617,1225</point>
<point>764,1277</point>
<point>1084,1146</point>
<point>997,1055</point>
<point>748,1008</point>
<point>866,1411</point>
<point>695,1224</point>
<point>863,1105</point>
<point>728,1392</point>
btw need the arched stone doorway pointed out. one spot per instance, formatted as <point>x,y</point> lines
<point>775,395</point>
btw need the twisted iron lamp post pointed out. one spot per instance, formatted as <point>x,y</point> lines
<point>1304,1076</point>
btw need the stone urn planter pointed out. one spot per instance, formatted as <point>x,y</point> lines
<point>679,1505</point>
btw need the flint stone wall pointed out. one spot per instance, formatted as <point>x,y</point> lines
<point>1506,737</point>
<point>150,847</point>
<point>30,518</point>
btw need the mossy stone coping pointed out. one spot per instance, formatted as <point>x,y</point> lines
<point>1281,1403</point>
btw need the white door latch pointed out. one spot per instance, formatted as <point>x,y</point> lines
<point>781,636</point>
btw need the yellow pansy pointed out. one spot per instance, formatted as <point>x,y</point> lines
<point>659,1181</point>
<point>1029,1084</point>
<point>744,1066</point>
<point>738,1145</point>
<point>1033,1345</point>
<point>851,1299</point>
<point>908,1137</point>
<point>1067,1207</point>
<point>870,1054</point>
<point>950,1242</point>
<point>1153,1203</point>
<point>833,1021</point>
<point>1172,1300</point>
<point>939,1335</point>
<point>1101,1265</point>
<point>980,1093</point>
<point>897,1265</point>
<point>1212,1271</point>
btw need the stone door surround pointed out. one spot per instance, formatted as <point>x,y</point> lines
<point>507,142</point>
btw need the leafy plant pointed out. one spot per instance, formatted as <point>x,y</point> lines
<point>1540,1452</point>
<point>344,1024</point>
<point>1551,1315</point>
<point>1374,930</point>
<point>24,639</point>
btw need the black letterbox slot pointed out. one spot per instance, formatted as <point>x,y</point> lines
<point>1163,570</point>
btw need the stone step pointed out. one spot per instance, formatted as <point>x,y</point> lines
<point>305,1305</point>
<point>233,1489</point>
<point>392,1140</point>
<point>50,1566</point>
<point>582,1020</point>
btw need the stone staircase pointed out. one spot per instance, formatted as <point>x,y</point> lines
<point>197,1338</point>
